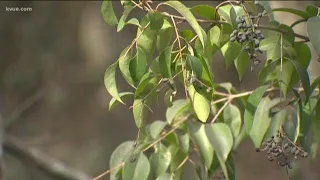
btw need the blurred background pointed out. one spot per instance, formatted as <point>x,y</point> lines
<point>54,104</point>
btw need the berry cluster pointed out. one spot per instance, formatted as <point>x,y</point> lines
<point>282,149</point>
<point>246,33</point>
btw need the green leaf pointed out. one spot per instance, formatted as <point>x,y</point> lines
<point>133,21</point>
<point>261,120</point>
<point>187,34</point>
<point>224,12</point>
<point>160,160</point>
<point>119,155</point>
<point>168,97</point>
<point>137,170</point>
<point>110,81</point>
<point>122,21</point>
<point>304,77</point>
<point>156,20</point>
<point>265,72</point>
<point>108,13</point>
<point>174,109</point>
<point>266,6</point>
<point>139,112</point>
<point>273,47</point>
<point>186,13</point>
<point>165,176</point>
<point>165,62</point>
<point>200,104</point>
<point>312,10</point>
<point>143,87</point>
<point>123,95</point>
<point>156,127</point>
<point>205,11</point>
<point>230,52</point>
<point>184,140</point>
<point>252,104</point>
<point>313,25</point>
<point>226,30</point>
<point>199,137</point>
<point>138,66</point>
<point>242,63</point>
<point>147,40</point>
<point>293,11</point>
<point>232,117</point>
<point>195,64</point>
<point>221,139</point>
<point>228,169</point>
<point>164,36</point>
<point>124,65</point>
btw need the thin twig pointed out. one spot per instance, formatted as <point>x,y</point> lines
<point>220,110</point>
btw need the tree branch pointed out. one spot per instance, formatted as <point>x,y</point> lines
<point>48,164</point>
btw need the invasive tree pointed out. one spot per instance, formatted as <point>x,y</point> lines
<point>281,116</point>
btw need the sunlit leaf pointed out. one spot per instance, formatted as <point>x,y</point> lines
<point>174,109</point>
<point>139,169</point>
<point>164,36</point>
<point>200,104</point>
<point>313,26</point>
<point>160,160</point>
<point>139,112</point>
<point>110,81</point>
<point>251,107</point>
<point>165,62</point>
<point>261,120</point>
<point>108,13</point>
<point>156,127</point>
<point>198,134</point>
<point>204,11</point>
<point>232,117</point>
<point>119,155</point>
<point>123,95</point>
<point>186,13</point>
<point>242,63</point>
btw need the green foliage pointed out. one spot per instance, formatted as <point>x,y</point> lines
<point>213,118</point>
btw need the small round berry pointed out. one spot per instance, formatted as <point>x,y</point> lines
<point>256,2</point>
<point>247,48</point>
<point>293,150</point>
<point>305,155</point>
<point>256,42</point>
<point>240,26</point>
<point>258,32</point>
<point>233,39</point>
<point>257,150</point>
<point>238,20</point>
<point>297,152</point>
<point>270,158</point>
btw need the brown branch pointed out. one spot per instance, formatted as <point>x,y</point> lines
<point>45,162</point>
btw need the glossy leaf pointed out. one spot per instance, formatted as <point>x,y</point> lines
<point>139,112</point>
<point>242,63</point>
<point>204,11</point>
<point>110,81</point>
<point>119,155</point>
<point>293,11</point>
<point>186,13</point>
<point>123,95</point>
<point>165,176</point>
<point>156,20</point>
<point>232,117</point>
<point>198,134</point>
<point>124,65</point>
<point>224,12</point>
<point>136,170</point>
<point>273,47</point>
<point>313,26</point>
<point>108,13</point>
<point>230,51</point>
<point>266,6</point>
<point>160,160</point>
<point>147,40</point>
<point>156,128</point>
<point>138,65</point>
<point>164,36</point>
<point>165,62</point>
<point>221,139</point>
<point>200,104</point>
<point>252,104</point>
<point>122,21</point>
<point>174,109</point>
<point>187,34</point>
<point>261,120</point>
<point>304,77</point>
